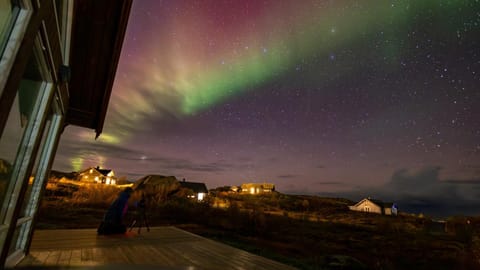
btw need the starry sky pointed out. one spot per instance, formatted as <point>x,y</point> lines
<point>365,98</point>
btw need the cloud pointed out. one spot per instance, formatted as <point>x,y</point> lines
<point>426,183</point>
<point>331,183</point>
<point>424,191</point>
<point>464,182</point>
<point>174,165</point>
<point>287,176</point>
<point>245,159</point>
<point>273,159</point>
<point>406,181</point>
<point>93,148</point>
<point>190,166</point>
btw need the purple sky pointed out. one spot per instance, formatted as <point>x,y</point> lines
<point>314,96</point>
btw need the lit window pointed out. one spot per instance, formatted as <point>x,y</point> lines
<point>96,178</point>
<point>91,170</point>
<point>107,181</point>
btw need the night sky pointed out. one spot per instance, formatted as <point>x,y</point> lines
<point>373,98</point>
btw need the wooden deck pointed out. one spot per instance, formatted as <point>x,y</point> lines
<point>162,247</point>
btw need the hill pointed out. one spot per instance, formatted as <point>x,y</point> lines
<point>59,174</point>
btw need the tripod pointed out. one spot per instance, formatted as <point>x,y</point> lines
<point>141,216</point>
<point>141,221</point>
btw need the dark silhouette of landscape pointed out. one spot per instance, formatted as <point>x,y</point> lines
<point>309,232</point>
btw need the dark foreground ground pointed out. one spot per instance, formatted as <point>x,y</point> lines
<point>333,238</point>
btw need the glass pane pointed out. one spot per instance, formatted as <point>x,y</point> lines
<point>28,93</point>
<point>37,162</point>
<point>59,9</point>
<point>13,246</point>
<point>9,143</point>
<point>20,114</point>
<point>8,13</point>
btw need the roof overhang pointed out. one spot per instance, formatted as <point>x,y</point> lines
<point>98,31</point>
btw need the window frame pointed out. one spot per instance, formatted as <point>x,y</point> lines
<point>25,157</point>
<point>11,45</point>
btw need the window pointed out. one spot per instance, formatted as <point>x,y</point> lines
<point>9,143</point>
<point>20,140</point>
<point>14,18</point>
<point>63,10</point>
<point>21,113</point>
<point>8,13</point>
<point>33,177</point>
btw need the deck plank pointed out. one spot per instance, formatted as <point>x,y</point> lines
<point>163,246</point>
<point>76,258</point>
<point>64,258</point>
<point>53,257</point>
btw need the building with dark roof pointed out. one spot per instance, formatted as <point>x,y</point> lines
<point>199,189</point>
<point>97,175</point>
<point>369,205</point>
<point>57,66</point>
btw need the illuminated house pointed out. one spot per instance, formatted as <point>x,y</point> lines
<point>97,175</point>
<point>58,60</point>
<point>199,189</point>
<point>374,206</point>
<point>257,188</point>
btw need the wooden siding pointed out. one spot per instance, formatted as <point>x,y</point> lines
<point>373,208</point>
<point>167,247</point>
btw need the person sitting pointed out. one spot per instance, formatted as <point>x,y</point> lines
<point>113,220</point>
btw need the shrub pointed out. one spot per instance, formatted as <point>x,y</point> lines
<point>95,195</point>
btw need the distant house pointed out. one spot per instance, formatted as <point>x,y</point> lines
<point>235,189</point>
<point>199,189</point>
<point>257,188</point>
<point>374,206</point>
<point>97,175</point>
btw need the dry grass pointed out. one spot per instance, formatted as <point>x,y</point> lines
<point>307,232</point>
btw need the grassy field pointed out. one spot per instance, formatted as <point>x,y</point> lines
<point>304,231</point>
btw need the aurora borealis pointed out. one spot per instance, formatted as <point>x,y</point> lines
<point>314,96</point>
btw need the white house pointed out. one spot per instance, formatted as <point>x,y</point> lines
<point>374,206</point>
<point>257,188</point>
<point>97,175</point>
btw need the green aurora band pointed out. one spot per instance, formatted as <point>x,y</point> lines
<point>312,36</point>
